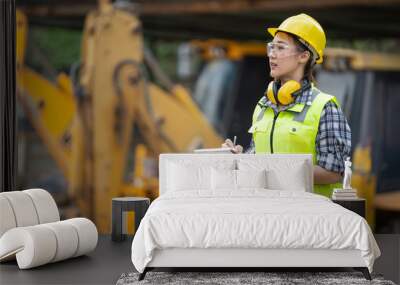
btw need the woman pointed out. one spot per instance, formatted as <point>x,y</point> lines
<point>295,117</point>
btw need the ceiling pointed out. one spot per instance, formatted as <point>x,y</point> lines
<point>236,19</point>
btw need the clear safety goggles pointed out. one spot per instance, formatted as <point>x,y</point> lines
<point>280,50</point>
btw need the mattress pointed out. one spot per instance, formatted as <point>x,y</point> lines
<point>251,219</point>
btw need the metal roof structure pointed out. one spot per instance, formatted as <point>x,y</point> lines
<point>235,19</point>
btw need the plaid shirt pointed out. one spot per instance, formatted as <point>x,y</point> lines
<point>333,141</point>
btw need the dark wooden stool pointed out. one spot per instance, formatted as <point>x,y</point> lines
<point>139,205</point>
<point>357,205</point>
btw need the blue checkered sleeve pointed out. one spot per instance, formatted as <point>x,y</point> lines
<point>333,141</point>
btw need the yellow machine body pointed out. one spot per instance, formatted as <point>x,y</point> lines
<point>89,133</point>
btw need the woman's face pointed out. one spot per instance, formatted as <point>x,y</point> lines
<point>284,58</point>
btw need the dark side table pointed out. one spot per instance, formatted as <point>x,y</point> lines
<point>357,205</point>
<point>120,205</point>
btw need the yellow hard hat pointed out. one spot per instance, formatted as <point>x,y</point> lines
<point>307,29</point>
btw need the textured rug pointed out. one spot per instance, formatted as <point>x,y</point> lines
<point>229,278</point>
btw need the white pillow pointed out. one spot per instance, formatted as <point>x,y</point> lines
<point>181,177</point>
<point>292,180</point>
<point>223,179</point>
<point>251,178</point>
<point>282,174</point>
<point>226,179</point>
<point>186,174</point>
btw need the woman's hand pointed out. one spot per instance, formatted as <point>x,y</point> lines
<point>234,148</point>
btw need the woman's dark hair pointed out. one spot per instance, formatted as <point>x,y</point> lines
<point>308,69</point>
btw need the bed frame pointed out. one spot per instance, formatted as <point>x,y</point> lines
<point>240,259</point>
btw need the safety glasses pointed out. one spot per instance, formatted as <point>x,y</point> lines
<point>280,50</point>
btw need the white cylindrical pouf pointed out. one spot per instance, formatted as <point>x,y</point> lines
<point>7,218</point>
<point>34,246</point>
<point>67,239</point>
<point>87,234</point>
<point>23,208</point>
<point>45,205</point>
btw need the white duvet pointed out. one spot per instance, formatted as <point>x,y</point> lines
<point>253,218</point>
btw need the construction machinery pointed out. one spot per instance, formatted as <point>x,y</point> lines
<point>86,120</point>
<point>107,110</point>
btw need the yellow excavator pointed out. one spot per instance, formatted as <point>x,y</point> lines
<point>87,120</point>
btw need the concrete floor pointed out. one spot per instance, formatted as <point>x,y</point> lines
<point>106,264</point>
<point>102,266</point>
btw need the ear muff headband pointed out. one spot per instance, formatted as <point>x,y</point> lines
<point>275,90</point>
<point>270,93</point>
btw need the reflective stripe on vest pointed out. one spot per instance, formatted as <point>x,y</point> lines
<point>291,131</point>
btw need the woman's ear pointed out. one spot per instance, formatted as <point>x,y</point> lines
<point>305,56</point>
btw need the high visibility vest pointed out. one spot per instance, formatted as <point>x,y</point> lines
<point>293,130</point>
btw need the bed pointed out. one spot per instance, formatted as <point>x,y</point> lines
<point>246,210</point>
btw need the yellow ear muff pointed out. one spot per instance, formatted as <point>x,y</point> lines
<point>285,94</point>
